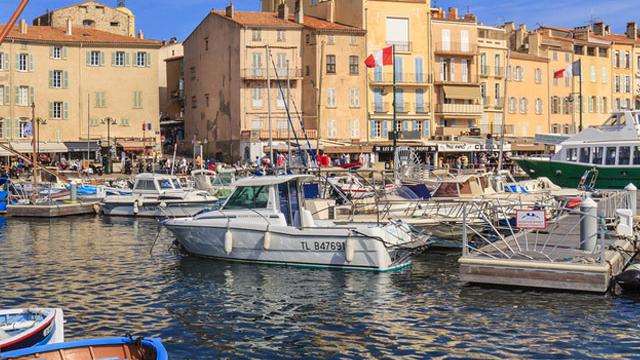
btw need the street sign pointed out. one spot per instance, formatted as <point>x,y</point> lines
<point>531,219</point>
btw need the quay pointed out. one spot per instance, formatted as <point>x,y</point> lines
<point>582,250</point>
<point>53,210</point>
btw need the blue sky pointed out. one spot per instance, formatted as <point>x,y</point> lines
<point>162,19</point>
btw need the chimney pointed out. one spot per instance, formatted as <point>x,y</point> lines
<point>140,35</point>
<point>453,13</point>
<point>283,11</point>
<point>598,28</point>
<point>229,11</point>
<point>23,27</point>
<point>299,12</point>
<point>632,31</point>
<point>69,28</point>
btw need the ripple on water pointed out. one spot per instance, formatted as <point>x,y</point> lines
<point>101,273</point>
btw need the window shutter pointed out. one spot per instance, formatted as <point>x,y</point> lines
<point>51,51</point>
<point>32,95</point>
<point>372,129</point>
<point>30,62</point>
<point>50,79</point>
<point>6,62</point>
<point>135,99</point>
<point>65,79</point>
<point>7,95</point>
<point>113,58</point>
<point>65,112</point>
<point>134,60</point>
<point>18,62</point>
<point>50,110</point>
<point>127,59</point>
<point>148,59</point>
<point>102,58</point>
<point>17,95</point>
<point>64,53</point>
<point>16,129</point>
<point>88,57</point>
<point>385,129</point>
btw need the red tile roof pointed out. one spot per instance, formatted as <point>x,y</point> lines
<point>617,38</point>
<point>524,56</point>
<point>83,35</point>
<point>257,19</point>
<point>320,24</point>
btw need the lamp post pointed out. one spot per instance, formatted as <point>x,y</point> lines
<point>109,121</point>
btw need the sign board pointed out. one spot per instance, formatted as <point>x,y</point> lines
<point>467,147</point>
<point>417,148</point>
<point>531,219</point>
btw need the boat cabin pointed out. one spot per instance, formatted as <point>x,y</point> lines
<point>469,186</point>
<point>614,143</point>
<point>272,194</point>
<point>155,184</point>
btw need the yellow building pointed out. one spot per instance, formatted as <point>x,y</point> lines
<point>492,53</point>
<point>77,78</point>
<point>527,90</point>
<point>457,93</point>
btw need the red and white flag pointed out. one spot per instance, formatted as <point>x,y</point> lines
<point>380,58</point>
<point>573,69</point>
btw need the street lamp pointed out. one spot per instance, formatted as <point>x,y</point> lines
<point>109,121</point>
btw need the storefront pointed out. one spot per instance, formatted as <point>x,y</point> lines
<point>426,154</point>
<point>453,154</point>
<point>80,150</point>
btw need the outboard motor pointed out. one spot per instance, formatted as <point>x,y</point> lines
<point>629,280</point>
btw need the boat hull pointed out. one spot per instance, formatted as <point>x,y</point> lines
<point>49,330</point>
<point>153,209</point>
<point>569,174</point>
<point>313,247</point>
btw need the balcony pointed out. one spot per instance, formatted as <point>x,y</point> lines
<point>495,71</point>
<point>401,78</point>
<point>442,79</point>
<point>400,46</point>
<point>277,134</point>
<point>455,48</point>
<point>261,73</point>
<point>493,102</point>
<point>459,109</point>
<point>403,107</point>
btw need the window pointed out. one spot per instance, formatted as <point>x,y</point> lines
<point>4,59</point>
<point>331,98</point>
<point>94,58</point>
<point>610,158</point>
<point>354,63</point>
<point>22,96</point>
<point>567,57</point>
<point>194,102</point>
<point>331,39</point>
<point>604,75</point>
<point>248,197</point>
<point>627,84</point>
<point>572,154</point>
<point>137,99</point>
<point>280,35</point>
<point>333,129</point>
<point>355,129</point>
<point>3,94</point>
<point>484,69</point>
<point>56,52</point>
<point>206,100</point>
<point>256,35</point>
<point>592,73</point>
<point>539,106</point>
<point>464,63</point>
<point>517,74</point>
<point>555,105</point>
<point>256,97</point>
<point>124,122</point>
<point>567,82</point>
<point>206,44</point>
<point>101,99</point>
<point>512,104</point>
<point>88,23</point>
<point>585,154</point>
<point>57,109</point>
<point>524,106</point>
<point>280,101</point>
<point>56,79</point>
<point>597,156</point>
<point>624,155</point>
<point>281,65</point>
<point>538,76</point>
<point>376,128</point>
<point>636,155</point>
<point>331,64</point>
<point>591,104</point>
<point>397,33</point>
<point>355,98</point>
<point>555,56</point>
<point>119,58</point>
<point>257,64</point>
<point>143,59</point>
<point>419,67</point>
<point>420,101</point>
<point>114,24</point>
<point>616,82</point>
<point>354,40</point>
<point>256,124</point>
<point>23,62</point>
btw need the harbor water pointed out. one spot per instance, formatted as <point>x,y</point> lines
<point>101,272</point>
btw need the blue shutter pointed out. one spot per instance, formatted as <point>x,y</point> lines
<point>65,79</point>
<point>425,128</point>
<point>420,100</point>
<point>399,100</point>
<point>50,78</point>
<point>377,100</point>
<point>414,125</point>
<point>398,68</point>
<point>372,129</point>
<point>419,70</point>
<point>385,129</point>
<point>377,73</point>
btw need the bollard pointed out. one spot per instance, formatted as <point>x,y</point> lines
<point>74,192</point>
<point>633,198</point>
<point>588,225</point>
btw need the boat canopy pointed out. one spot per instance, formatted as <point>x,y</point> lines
<point>272,180</point>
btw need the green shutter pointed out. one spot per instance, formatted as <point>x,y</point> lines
<point>64,53</point>
<point>6,62</point>
<point>30,62</point>
<point>65,111</point>
<point>51,51</point>
<point>50,110</point>
<point>88,57</point>
<point>113,58</point>
<point>148,59</point>
<point>16,128</point>
<point>65,79</point>
<point>7,95</point>
<point>102,58</point>
<point>127,59</point>
<point>17,94</point>
<point>32,95</point>
<point>17,62</point>
<point>50,79</point>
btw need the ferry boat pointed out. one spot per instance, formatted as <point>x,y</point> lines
<point>604,157</point>
<point>265,221</point>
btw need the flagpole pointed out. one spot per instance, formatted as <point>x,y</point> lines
<point>395,121</point>
<point>580,79</point>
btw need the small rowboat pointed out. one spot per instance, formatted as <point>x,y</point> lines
<point>96,349</point>
<point>23,328</point>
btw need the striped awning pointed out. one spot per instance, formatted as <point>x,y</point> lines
<point>27,148</point>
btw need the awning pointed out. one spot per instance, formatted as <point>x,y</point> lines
<point>134,145</point>
<point>348,149</point>
<point>27,148</point>
<point>82,146</point>
<point>461,92</point>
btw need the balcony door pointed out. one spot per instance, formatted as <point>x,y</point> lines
<point>398,33</point>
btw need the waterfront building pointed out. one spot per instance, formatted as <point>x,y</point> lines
<point>77,78</point>
<point>527,91</point>
<point>492,54</point>
<point>92,15</point>
<point>169,52</point>
<point>227,105</point>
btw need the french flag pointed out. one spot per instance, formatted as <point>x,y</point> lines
<point>573,69</point>
<point>380,58</point>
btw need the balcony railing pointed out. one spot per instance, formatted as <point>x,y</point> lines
<point>489,101</point>
<point>455,48</point>
<point>261,73</point>
<point>278,134</point>
<point>471,79</point>
<point>459,108</point>
<point>400,46</point>
<point>496,71</point>
<point>403,107</point>
<point>401,78</point>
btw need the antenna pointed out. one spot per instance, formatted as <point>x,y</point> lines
<point>121,3</point>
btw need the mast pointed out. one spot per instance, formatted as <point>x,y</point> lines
<point>289,129</point>
<point>504,111</point>
<point>269,105</point>
<point>395,120</point>
<point>34,136</point>
<point>580,99</point>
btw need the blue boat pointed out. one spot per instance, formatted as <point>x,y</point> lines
<point>23,328</point>
<point>107,348</point>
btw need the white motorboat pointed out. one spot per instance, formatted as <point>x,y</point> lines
<point>23,328</point>
<point>265,221</point>
<point>156,195</point>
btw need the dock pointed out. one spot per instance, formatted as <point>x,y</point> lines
<point>53,210</point>
<point>579,250</point>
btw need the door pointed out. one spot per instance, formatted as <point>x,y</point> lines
<point>290,203</point>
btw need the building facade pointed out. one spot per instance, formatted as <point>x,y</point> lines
<point>92,15</point>
<point>527,90</point>
<point>492,54</point>
<point>77,78</point>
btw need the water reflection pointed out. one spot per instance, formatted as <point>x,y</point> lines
<point>100,271</point>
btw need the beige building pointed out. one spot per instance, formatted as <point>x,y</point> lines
<point>170,51</point>
<point>527,91</point>
<point>334,84</point>
<point>226,92</point>
<point>78,77</point>
<point>457,93</point>
<point>92,15</point>
<point>492,54</point>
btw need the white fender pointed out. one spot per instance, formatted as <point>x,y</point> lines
<point>228,241</point>
<point>267,238</point>
<point>349,249</point>
<point>135,207</point>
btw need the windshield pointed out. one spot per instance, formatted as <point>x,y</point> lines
<point>176,184</point>
<point>165,184</point>
<point>248,197</point>
<point>223,180</point>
